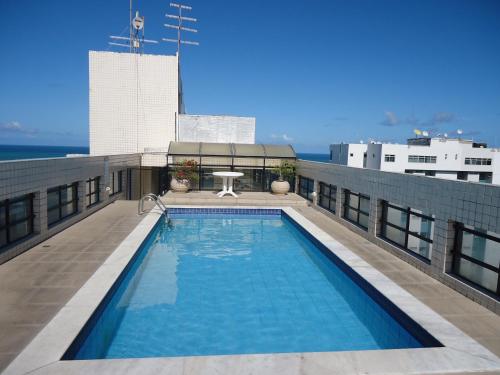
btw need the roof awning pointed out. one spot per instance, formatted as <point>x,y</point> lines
<point>236,150</point>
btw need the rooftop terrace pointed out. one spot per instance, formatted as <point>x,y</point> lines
<point>36,284</point>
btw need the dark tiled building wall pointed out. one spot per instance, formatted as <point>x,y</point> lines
<point>449,201</point>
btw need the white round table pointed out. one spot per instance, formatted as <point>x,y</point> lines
<point>227,182</point>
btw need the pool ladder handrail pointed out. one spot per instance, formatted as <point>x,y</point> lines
<point>155,198</point>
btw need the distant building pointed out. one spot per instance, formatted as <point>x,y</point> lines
<point>440,157</point>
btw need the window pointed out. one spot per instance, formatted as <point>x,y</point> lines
<point>486,177</point>
<point>16,219</point>
<point>408,229</point>
<point>116,182</point>
<point>422,159</point>
<point>327,196</point>
<point>92,191</point>
<point>306,187</point>
<point>390,158</point>
<point>477,161</point>
<point>356,208</point>
<point>62,201</point>
<point>476,257</point>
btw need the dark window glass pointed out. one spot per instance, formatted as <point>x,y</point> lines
<point>92,191</point>
<point>477,257</point>
<point>3,237</point>
<point>407,228</point>
<point>16,219</point>
<point>2,215</point>
<point>357,208</point>
<point>116,182</point>
<point>62,201</point>
<point>306,187</point>
<point>327,196</point>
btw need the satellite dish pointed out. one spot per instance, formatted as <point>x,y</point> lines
<point>417,132</point>
<point>361,141</point>
<point>425,133</point>
<point>445,135</point>
<point>460,131</point>
<point>138,22</point>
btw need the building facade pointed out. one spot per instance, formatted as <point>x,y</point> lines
<point>448,229</point>
<point>438,157</point>
<point>133,102</point>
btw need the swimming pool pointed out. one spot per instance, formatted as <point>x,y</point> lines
<point>233,281</point>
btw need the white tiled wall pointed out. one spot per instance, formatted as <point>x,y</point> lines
<point>133,101</point>
<point>220,129</point>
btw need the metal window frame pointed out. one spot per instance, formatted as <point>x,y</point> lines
<point>113,182</point>
<point>347,207</point>
<point>308,190</point>
<point>95,192</point>
<point>328,197</point>
<point>406,230</point>
<point>457,255</point>
<point>74,199</point>
<point>425,159</point>
<point>390,158</point>
<point>30,218</point>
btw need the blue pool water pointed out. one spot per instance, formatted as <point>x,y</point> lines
<point>235,284</point>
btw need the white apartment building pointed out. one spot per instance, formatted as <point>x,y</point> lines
<point>440,157</point>
<point>351,154</point>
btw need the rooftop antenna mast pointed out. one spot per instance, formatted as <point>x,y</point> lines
<point>136,34</point>
<point>180,18</point>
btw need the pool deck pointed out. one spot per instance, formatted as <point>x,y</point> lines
<point>37,284</point>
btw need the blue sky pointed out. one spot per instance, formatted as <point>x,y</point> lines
<point>311,72</point>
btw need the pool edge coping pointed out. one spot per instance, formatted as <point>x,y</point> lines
<point>49,345</point>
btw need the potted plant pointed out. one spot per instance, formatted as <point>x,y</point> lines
<point>184,176</point>
<point>286,171</point>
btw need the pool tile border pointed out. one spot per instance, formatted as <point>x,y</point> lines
<point>461,353</point>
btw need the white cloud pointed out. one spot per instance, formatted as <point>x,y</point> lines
<point>282,137</point>
<point>390,119</point>
<point>16,127</point>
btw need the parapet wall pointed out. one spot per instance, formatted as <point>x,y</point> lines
<point>21,177</point>
<point>472,204</point>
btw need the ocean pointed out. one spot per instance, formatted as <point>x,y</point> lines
<point>313,157</point>
<point>8,152</point>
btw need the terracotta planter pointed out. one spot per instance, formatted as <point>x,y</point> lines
<point>179,186</point>
<point>280,187</point>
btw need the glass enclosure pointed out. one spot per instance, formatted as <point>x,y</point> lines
<point>255,161</point>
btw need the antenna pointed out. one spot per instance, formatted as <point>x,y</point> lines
<point>180,18</point>
<point>136,38</point>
